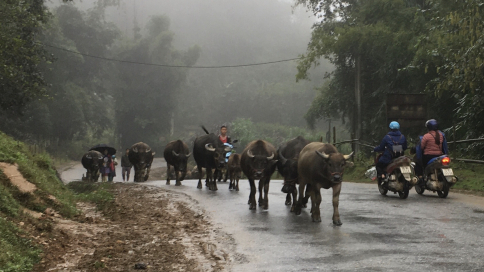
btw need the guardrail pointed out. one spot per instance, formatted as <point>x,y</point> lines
<point>357,141</point>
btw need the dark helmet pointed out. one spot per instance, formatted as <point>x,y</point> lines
<point>431,124</point>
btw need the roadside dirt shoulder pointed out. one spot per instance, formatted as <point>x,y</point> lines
<point>147,228</point>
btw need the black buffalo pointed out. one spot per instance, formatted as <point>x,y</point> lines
<point>176,154</point>
<point>92,161</point>
<point>209,152</point>
<point>234,171</point>
<point>141,157</point>
<point>320,166</point>
<point>287,167</point>
<point>259,162</point>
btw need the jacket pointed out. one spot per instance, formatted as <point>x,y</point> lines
<point>387,143</point>
<point>125,161</point>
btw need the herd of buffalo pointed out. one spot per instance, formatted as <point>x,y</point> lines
<point>312,165</point>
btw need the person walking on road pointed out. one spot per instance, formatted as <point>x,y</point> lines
<point>125,165</point>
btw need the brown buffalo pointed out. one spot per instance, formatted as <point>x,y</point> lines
<point>259,162</point>
<point>320,166</point>
<point>234,171</point>
<point>176,154</point>
<point>92,161</point>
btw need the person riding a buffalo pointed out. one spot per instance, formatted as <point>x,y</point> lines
<point>392,145</point>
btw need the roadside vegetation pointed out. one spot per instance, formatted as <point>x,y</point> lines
<point>17,226</point>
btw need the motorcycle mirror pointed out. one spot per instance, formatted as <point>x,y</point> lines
<point>234,141</point>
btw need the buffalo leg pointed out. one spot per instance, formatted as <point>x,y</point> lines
<point>336,191</point>
<point>231,179</point>
<point>288,199</point>
<point>302,186</point>
<point>236,180</point>
<point>147,173</point>
<point>294,199</point>
<point>199,186</point>
<point>168,174</point>
<point>177,177</point>
<point>214,182</point>
<point>315,203</point>
<point>266,193</point>
<point>252,202</point>
<point>306,196</point>
<point>261,186</point>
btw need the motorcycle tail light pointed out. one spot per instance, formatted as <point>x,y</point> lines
<point>445,161</point>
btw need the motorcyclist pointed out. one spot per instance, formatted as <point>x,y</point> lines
<point>432,144</point>
<point>392,145</point>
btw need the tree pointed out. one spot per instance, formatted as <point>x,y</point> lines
<point>20,53</point>
<point>145,95</point>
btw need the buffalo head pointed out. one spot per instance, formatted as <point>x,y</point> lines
<point>181,160</point>
<point>218,154</point>
<point>335,163</point>
<point>259,163</point>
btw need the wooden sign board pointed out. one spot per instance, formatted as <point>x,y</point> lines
<point>410,110</point>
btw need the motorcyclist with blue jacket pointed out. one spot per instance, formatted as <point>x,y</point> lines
<point>392,145</point>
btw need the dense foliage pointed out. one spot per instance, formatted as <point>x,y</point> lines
<point>432,47</point>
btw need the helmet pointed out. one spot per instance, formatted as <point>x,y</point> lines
<point>394,125</point>
<point>113,156</point>
<point>431,124</point>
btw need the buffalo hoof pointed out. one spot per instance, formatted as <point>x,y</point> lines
<point>305,205</point>
<point>178,184</point>
<point>297,210</point>
<point>199,186</point>
<point>230,186</point>
<point>265,207</point>
<point>293,208</point>
<point>316,218</point>
<point>237,189</point>
<point>337,222</point>
<point>288,202</point>
<point>252,207</point>
<point>167,182</point>
<point>146,178</point>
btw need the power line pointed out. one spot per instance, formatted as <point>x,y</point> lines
<point>170,66</point>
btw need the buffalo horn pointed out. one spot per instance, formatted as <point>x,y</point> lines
<point>135,149</point>
<point>271,157</point>
<point>347,157</point>
<point>209,147</point>
<point>249,153</point>
<point>100,158</point>
<point>174,153</point>
<point>188,155</point>
<point>322,154</point>
<point>88,156</point>
<point>148,150</point>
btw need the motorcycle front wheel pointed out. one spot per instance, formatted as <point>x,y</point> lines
<point>419,189</point>
<point>382,189</point>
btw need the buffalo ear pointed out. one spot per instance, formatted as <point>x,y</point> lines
<point>272,162</point>
<point>153,153</point>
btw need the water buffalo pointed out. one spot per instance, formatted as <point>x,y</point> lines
<point>209,152</point>
<point>234,171</point>
<point>141,158</point>
<point>320,166</point>
<point>287,167</point>
<point>92,161</point>
<point>258,161</point>
<point>176,154</point>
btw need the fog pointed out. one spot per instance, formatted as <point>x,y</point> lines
<point>118,102</point>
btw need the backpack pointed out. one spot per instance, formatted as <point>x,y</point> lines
<point>397,148</point>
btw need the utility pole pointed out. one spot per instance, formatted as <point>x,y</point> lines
<point>357,126</point>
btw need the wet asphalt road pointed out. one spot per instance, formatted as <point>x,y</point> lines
<point>421,233</point>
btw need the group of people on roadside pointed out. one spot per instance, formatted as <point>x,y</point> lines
<point>108,169</point>
<point>433,144</point>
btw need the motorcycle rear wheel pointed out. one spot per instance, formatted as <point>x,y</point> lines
<point>419,189</point>
<point>443,193</point>
<point>382,189</point>
<point>404,194</point>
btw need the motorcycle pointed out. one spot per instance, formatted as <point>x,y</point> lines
<point>438,177</point>
<point>400,177</point>
<point>218,174</point>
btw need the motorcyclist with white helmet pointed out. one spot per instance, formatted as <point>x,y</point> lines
<point>392,145</point>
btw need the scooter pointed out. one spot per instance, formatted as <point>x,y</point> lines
<point>438,177</point>
<point>218,174</point>
<point>400,178</point>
